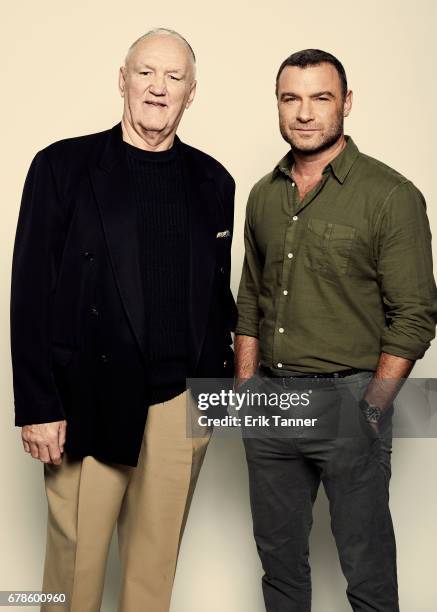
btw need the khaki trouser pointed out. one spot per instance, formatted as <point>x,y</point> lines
<point>149,503</point>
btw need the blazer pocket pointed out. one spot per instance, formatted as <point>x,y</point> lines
<point>328,247</point>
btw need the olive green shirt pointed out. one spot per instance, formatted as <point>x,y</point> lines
<point>331,281</point>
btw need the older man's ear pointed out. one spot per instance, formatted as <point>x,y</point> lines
<point>192,94</point>
<point>121,80</point>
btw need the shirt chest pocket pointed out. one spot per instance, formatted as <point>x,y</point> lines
<point>327,247</point>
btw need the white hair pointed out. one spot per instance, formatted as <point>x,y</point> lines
<point>166,32</point>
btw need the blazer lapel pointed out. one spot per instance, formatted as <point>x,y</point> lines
<point>203,210</point>
<point>111,186</point>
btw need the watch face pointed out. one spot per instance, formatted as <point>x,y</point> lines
<point>371,412</point>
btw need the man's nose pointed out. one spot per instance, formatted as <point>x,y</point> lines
<point>158,86</point>
<point>305,111</point>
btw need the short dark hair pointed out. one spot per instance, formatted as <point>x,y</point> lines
<point>314,57</point>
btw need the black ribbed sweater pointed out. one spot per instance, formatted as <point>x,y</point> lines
<point>159,195</point>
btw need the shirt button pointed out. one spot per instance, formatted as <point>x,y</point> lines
<point>295,218</point>
<point>292,184</point>
<point>281,330</point>
<point>285,292</point>
<point>290,255</point>
<point>279,365</point>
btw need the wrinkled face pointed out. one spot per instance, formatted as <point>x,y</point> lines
<point>157,84</point>
<point>311,107</point>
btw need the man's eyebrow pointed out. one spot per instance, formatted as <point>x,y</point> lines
<point>314,95</point>
<point>323,93</point>
<point>143,65</point>
<point>180,72</point>
<point>284,94</point>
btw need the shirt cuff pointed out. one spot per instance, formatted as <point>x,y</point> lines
<point>247,329</point>
<point>406,352</point>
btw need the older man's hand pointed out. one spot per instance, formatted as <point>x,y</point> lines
<point>45,441</point>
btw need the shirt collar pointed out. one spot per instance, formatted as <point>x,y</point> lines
<point>339,166</point>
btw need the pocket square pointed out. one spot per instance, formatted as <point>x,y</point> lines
<point>224,234</point>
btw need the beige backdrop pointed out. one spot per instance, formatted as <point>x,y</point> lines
<point>59,63</point>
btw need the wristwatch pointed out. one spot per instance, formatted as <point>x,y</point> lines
<point>371,412</point>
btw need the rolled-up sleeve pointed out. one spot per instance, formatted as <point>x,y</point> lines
<point>405,273</point>
<point>247,300</point>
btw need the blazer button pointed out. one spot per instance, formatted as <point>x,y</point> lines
<point>94,311</point>
<point>88,255</point>
<point>104,358</point>
<point>225,363</point>
<point>221,270</point>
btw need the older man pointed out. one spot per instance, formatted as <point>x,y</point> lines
<point>338,294</point>
<point>120,291</point>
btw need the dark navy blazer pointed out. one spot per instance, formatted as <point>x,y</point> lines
<point>77,316</point>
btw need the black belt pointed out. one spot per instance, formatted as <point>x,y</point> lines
<point>283,373</point>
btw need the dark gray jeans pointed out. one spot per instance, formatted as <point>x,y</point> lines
<point>286,466</point>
